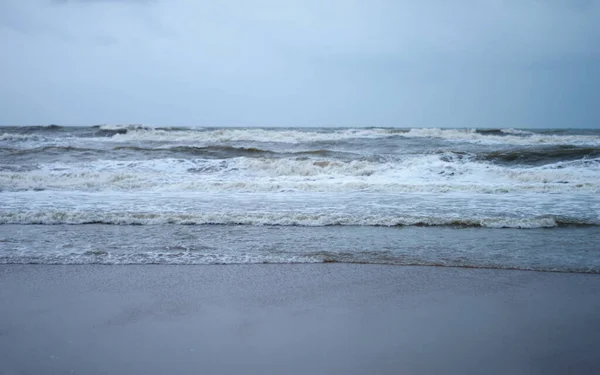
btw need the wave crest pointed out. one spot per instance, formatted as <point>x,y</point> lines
<point>282,219</point>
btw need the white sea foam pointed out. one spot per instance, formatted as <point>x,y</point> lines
<point>515,137</point>
<point>52,217</point>
<point>516,131</point>
<point>422,173</point>
<point>250,135</point>
<point>294,136</point>
<point>140,133</point>
<point>153,257</point>
<point>195,258</point>
<point>125,126</point>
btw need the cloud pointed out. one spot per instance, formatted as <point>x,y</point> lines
<point>103,40</point>
<point>104,1</point>
<point>339,62</point>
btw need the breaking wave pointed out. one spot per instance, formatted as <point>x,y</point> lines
<point>250,134</point>
<point>502,136</point>
<point>137,132</point>
<point>440,172</point>
<point>282,219</point>
<point>481,136</point>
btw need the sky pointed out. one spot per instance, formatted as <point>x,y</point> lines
<point>430,63</point>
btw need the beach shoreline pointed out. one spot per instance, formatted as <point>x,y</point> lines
<point>296,318</point>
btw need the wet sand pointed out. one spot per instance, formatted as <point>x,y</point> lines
<point>296,319</point>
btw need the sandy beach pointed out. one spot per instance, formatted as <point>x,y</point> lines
<point>296,319</point>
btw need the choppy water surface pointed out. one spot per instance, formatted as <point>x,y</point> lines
<point>502,198</point>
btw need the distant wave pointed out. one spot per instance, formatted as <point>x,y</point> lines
<point>221,135</point>
<point>50,149</point>
<point>33,132</point>
<point>21,137</point>
<point>502,136</point>
<point>530,155</point>
<point>205,151</point>
<point>40,129</point>
<point>501,132</point>
<point>136,132</point>
<point>211,152</point>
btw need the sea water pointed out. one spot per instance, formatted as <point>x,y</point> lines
<point>133,194</point>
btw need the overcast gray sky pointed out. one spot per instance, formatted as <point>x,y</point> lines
<point>485,63</point>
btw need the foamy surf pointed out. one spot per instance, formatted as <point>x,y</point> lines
<point>446,172</point>
<point>505,136</point>
<point>525,199</point>
<point>54,217</point>
<point>137,132</point>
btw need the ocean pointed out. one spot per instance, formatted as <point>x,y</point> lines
<point>134,194</point>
